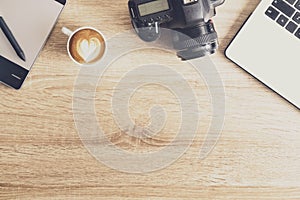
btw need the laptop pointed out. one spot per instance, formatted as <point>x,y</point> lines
<point>31,22</point>
<point>268,47</point>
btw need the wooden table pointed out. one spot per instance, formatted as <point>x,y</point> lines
<point>42,156</point>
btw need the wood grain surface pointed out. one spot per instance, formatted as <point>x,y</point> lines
<point>43,157</point>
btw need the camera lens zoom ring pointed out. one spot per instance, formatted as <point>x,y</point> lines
<point>199,41</point>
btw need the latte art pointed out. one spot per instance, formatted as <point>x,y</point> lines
<point>87,46</point>
<point>89,49</point>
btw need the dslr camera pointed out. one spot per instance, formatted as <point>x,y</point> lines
<point>193,32</point>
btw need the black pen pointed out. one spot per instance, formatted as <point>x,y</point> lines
<point>11,39</point>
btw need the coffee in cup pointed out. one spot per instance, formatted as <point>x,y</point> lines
<point>85,45</point>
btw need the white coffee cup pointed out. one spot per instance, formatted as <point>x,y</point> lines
<point>88,50</point>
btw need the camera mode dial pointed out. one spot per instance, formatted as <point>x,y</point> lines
<point>147,31</point>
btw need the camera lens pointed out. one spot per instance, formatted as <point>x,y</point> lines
<point>197,41</point>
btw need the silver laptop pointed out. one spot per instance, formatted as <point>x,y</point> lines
<point>268,47</point>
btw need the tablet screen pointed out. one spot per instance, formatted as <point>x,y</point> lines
<point>30,21</point>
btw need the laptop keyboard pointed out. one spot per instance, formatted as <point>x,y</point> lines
<point>287,14</point>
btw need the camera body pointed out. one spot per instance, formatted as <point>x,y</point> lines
<point>194,33</point>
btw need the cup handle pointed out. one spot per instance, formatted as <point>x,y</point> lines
<point>67,31</point>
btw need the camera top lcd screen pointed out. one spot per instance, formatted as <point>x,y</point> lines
<point>153,7</point>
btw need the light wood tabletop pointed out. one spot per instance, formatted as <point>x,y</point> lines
<point>43,154</point>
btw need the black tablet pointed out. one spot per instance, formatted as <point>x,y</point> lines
<point>31,22</point>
